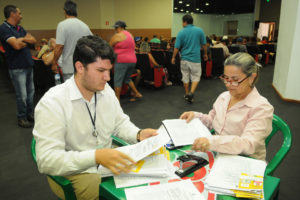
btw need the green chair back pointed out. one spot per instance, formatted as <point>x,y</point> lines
<point>65,184</point>
<point>279,126</point>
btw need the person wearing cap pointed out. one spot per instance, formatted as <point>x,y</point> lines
<point>67,33</point>
<point>124,46</point>
<point>239,43</point>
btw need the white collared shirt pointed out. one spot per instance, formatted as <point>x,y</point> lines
<point>63,129</point>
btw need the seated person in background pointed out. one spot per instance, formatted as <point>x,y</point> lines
<point>163,43</point>
<point>48,57</point>
<point>44,48</point>
<point>239,43</point>
<point>155,39</point>
<point>145,46</point>
<point>70,140</point>
<point>222,45</point>
<point>241,117</point>
<point>171,44</point>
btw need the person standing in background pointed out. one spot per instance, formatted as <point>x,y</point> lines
<point>67,33</point>
<point>124,46</point>
<point>15,41</point>
<point>189,40</point>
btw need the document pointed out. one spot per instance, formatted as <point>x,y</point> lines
<point>140,150</point>
<point>226,172</point>
<point>168,191</point>
<point>183,133</point>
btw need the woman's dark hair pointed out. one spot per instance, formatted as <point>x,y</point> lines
<point>8,9</point>
<point>146,39</point>
<point>70,8</point>
<point>89,48</point>
<point>188,19</point>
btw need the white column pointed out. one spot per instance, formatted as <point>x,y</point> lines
<point>286,78</point>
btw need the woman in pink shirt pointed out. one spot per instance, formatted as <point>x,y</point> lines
<point>124,47</point>
<point>241,117</point>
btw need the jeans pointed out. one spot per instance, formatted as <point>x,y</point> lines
<point>22,80</point>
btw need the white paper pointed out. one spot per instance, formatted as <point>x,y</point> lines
<point>183,133</point>
<point>158,168</point>
<point>168,191</point>
<point>140,150</point>
<point>226,171</point>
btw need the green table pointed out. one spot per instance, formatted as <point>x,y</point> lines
<point>109,191</point>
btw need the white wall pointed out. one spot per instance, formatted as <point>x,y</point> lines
<point>214,24</point>
<point>287,66</point>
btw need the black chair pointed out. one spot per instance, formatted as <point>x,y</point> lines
<point>173,70</point>
<point>159,57</point>
<point>217,57</point>
<point>234,49</point>
<point>43,77</point>
<point>254,50</point>
<point>143,64</point>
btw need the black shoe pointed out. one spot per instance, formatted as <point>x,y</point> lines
<point>30,118</point>
<point>24,123</point>
<point>189,97</point>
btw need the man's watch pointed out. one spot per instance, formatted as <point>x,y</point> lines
<point>138,135</point>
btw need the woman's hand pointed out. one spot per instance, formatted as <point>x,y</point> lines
<point>201,144</point>
<point>188,116</point>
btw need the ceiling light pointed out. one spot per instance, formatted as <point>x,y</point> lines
<point>179,1</point>
<point>192,13</point>
<point>187,5</point>
<point>181,10</point>
<point>201,11</point>
<point>197,8</point>
<point>175,8</point>
<point>207,4</point>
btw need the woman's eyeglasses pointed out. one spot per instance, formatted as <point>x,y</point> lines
<point>234,83</point>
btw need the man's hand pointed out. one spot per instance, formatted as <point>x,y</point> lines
<point>148,132</point>
<point>173,61</point>
<point>201,144</point>
<point>114,160</point>
<point>188,116</point>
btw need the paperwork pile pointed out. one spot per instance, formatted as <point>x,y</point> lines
<point>153,162</point>
<point>237,176</point>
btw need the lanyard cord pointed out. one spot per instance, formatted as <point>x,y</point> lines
<point>95,133</point>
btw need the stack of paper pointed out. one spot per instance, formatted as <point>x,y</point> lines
<point>237,176</point>
<point>171,191</point>
<point>183,133</point>
<point>153,162</point>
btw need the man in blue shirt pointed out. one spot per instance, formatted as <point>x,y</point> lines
<point>15,40</point>
<point>189,41</point>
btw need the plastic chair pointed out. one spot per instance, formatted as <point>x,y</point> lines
<point>279,126</point>
<point>65,184</point>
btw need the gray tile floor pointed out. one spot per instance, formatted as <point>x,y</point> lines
<point>19,178</point>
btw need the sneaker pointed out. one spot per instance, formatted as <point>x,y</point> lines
<point>189,97</point>
<point>30,118</point>
<point>24,123</point>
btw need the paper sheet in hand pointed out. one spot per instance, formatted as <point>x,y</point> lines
<point>140,150</point>
<point>168,191</point>
<point>154,169</point>
<point>183,133</point>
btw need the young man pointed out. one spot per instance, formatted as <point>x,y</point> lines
<point>189,40</point>
<point>67,33</point>
<point>15,39</point>
<point>75,122</point>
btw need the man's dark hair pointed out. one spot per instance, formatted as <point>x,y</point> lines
<point>70,8</point>
<point>8,9</point>
<point>146,39</point>
<point>89,48</point>
<point>188,19</point>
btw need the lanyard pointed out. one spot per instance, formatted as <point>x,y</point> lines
<point>95,132</point>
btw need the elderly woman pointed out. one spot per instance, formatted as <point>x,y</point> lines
<point>241,117</point>
<point>124,47</point>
